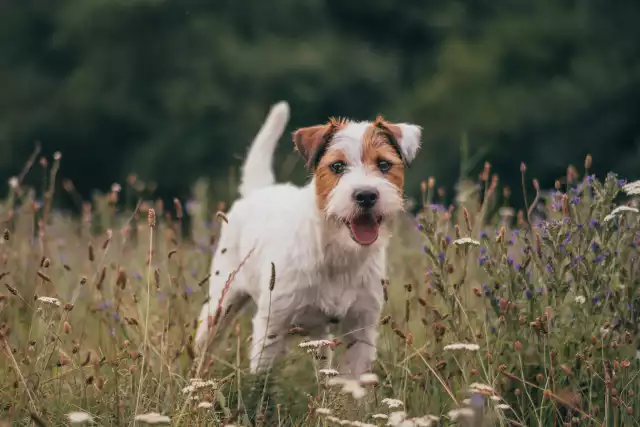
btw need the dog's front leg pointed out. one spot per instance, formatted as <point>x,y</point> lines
<point>360,328</point>
<point>268,340</point>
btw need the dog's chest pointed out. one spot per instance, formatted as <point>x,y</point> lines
<point>327,293</point>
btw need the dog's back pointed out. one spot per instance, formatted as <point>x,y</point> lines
<point>256,185</point>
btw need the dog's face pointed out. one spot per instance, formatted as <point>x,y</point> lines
<point>359,171</point>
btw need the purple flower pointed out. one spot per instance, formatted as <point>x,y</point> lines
<point>549,268</point>
<point>448,239</point>
<point>420,227</point>
<point>528,294</point>
<point>441,256</point>
<point>483,235</point>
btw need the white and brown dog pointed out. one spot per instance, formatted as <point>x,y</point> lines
<point>327,240</point>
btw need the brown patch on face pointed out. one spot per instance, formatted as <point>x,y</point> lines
<point>311,142</point>
<point>325,179</point>
<point>380,143</point>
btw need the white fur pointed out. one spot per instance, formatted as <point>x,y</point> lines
<point>321,273</point>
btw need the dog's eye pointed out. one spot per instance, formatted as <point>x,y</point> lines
<point>338,167</point>
<point>384,165</point>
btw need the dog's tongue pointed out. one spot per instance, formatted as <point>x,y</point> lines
<point>364,229</point>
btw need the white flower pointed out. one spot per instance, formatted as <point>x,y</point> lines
<point>474,387</point>
<point>323,411</point>
<point>328,372</point>
<point>205,405</point>
<point>49,300</point>
<point>14,182</point>
<point>153,418</point>
<point>503,407</point>
<point>456,414</point>
<point>393,403</point>
<point>632,188</point>
<point>369,379</point>
<point>466,401</point>
<point>115,187</point>
<point>495,398</point>
<point>396,418</point>
<point>314,344</point>
<point>57,155</point>
<point>619,210</point>
<point>197,384</point>
<point>79,418</point>
<point>580,299</point>
<point>426,421</point>
<point>352,387</point>
<point>466,241</point>
<point>462,346</point>
<point>379,416</point>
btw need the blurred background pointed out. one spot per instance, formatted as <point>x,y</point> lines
<point>175,90</point>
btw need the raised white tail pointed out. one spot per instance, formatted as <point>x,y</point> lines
<point>257,171</point>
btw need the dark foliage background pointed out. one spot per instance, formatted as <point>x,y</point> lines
<point>175,90</point>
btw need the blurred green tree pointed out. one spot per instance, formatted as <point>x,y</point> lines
<point>174,90</point>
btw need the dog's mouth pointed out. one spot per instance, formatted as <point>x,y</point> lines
<point>364,228</point>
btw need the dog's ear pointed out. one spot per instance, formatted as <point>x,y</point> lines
<point>406,137</point>
<point>310,142</point>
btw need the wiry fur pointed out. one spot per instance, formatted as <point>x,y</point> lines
<point>322,274</point>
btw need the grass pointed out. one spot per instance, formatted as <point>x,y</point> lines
<point>492,317</point>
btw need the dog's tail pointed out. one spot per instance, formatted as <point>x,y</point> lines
<point>257,171</point>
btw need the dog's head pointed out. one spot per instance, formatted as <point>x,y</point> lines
<point>359,171</point>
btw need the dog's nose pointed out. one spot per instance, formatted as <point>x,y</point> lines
<point>366,199</point>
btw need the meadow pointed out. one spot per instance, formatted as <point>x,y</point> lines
<point>493,316</point>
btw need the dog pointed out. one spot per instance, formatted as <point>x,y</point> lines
<point>312,256</point>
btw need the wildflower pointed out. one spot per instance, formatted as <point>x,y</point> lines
<point>205,405</point>
<point>323,411</point>
<point>426,421</point>
<point>14,182</point>
<point>632,188</point>
<point>503,407</point>
<point>79,418</point>
<point>462,346</point>
<point>393,403</point>
<point>479,387</point>
<point>369,379</point>
<point>456,414</point>
<point>314,344</point>
<point>466,241</point>
<point>153,418</point>
<point>49,300</point>
<point>379,416</point>
<point>580,299</point>
<point>197,384</point>
<point>396,418</point>
<point>328,372</point>
<point>619,210</point>
<point>352,387</point>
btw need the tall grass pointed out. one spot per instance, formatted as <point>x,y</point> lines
<point>492,317</point>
